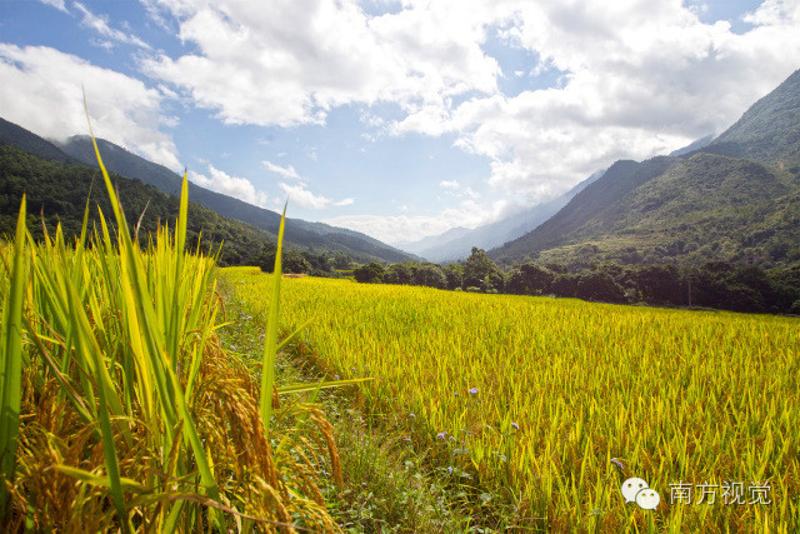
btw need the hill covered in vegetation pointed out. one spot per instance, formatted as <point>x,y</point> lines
<point>58,191</point>
<point>316,236</point>
<point>734,200</point>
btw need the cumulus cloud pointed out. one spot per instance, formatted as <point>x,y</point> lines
<point>123,109</point>
<point>286,62</point>
<point>635,78</point>
<point>639,79</point>
<point>101,25</point>
<point>235,186</point>
<point>287,171</point>
<point>300,195</point>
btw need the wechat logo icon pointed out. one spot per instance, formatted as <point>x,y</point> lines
<point>638,491</point>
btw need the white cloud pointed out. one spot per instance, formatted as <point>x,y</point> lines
<point>234,186</point>
<point>123,109</point>
<point>405,227</point>
<point>637,77</point>
<point>455,189</point>
<point>300,195</point>
<point>452,185</point>
<point>641,78</point>
<point>287,171</point>
<point>286,62</point>
<point>100,24</point>
<point>58,4</point>
<point>775,13</point>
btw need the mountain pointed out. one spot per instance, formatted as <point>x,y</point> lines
<point>433,242</point>
<point>456,243</point>
<point>735,199</point>
<point>694,146</point>
<point>317,236</point>
<point>768,132</point>
<point>57,192</point>
<point>11,134</point>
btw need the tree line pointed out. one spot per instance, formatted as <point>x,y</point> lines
<point>718,285</point>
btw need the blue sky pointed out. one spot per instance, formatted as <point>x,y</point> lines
<point>399,120</point>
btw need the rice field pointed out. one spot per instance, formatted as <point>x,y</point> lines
<point>539,408</point>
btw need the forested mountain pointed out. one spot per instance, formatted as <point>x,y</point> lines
<point>57,192</point>
<point>315,237</point>
<point>768,132</point>
<point>299,232</point>
<point>736,199</point>
<point>14,135</point>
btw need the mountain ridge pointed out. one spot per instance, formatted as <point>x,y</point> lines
<point>445,247</point>
<point>305,235</point>
<point>733,199</point>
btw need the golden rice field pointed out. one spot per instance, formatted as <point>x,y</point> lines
<point>562,387</point>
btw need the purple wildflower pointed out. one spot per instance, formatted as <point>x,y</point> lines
<point>473,391</point>
<point>514,425</point>
<point>441,435</point>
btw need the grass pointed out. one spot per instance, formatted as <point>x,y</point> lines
<point>561,388</point>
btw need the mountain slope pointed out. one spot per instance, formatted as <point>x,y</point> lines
<point>14,135</point>
<point>456,244</point>
<point>434,242</point>
<point>318,236</point>
<point>733,200</point>
<point>57,191</point>
<point>593,206</point>
<point>768,132</point>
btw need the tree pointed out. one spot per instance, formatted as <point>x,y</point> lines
<point>454,272</point>
<point>372,273</point>
<point>597,285</point>
<point>477,267</point>
<point>295,262</point>
<point>529,279</point>
<point>398,273</point>
<point>431,275</point>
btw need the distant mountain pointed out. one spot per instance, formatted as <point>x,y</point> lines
<point>316,236</point>
<point>433,242</point>
<point>735,199</point>
<point>694,146</point>
<point>456,244</point>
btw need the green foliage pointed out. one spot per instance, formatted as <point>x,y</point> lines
<point>480,270</point>
<point>371,273</point>
<point>717,285</point>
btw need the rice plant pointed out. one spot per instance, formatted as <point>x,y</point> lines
<point>120,409</point>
